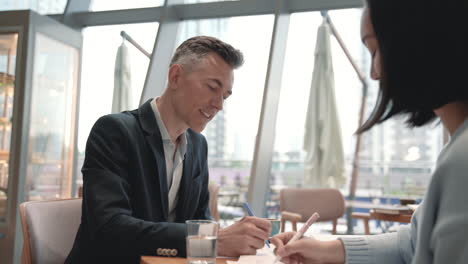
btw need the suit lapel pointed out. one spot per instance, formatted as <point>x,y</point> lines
<point>185,190</point>
<point>158,151</point>
<point>148,123</point>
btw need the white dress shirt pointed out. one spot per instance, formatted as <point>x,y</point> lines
<point>174,161</point>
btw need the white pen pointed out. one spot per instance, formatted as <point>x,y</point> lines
<point>312,219</point>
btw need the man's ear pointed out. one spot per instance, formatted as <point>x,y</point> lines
<point>175,72</point>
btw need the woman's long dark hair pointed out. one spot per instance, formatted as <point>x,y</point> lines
<point>424,49</point>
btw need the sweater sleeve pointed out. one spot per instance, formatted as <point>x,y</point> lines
<point>391,248</point>
<point>449,238</point>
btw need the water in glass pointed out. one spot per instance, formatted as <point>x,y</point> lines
<point>201,249</point>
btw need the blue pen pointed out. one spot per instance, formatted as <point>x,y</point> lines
<point>249,211</point>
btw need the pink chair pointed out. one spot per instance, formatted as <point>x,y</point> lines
<point>49,229</point>
<point>297,205</point>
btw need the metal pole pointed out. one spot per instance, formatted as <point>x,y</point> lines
<point>134,43</point>
<point>360,74</point>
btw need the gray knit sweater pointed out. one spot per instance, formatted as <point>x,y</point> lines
<point>439,228</point>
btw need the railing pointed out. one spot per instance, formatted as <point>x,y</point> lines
<point>391,180</point>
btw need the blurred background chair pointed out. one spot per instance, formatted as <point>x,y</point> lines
<point>214,190</point>
<point>49,229</point>
<point>297,205</point>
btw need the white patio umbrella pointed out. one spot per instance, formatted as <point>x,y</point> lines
<point>324,164</point>
<point>122,97</point>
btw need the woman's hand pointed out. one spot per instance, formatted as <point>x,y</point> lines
<point>308,250</point>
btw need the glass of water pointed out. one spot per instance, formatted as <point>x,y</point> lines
<point>202,241</point>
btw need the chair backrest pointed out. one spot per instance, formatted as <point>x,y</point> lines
<point>214,190</point>
<point>329,203</point>
<point>49,229</point>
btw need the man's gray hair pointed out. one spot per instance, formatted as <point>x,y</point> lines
<point>193,49</point>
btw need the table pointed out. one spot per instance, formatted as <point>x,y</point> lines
<point>222,260</point>
<point>401,218</point>
<point>164,260</point>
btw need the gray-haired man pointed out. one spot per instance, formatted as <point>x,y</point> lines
<point>145,171</point>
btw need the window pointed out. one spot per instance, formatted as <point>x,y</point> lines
<point>231,135</point>
<point>40,6</point>
<point>55,81</point>
<point>289,155</point>
<point>97,78</point>
<point>103,5</point>
<point>8,50</point>
<point>394,159</point>
<point>205,1</point>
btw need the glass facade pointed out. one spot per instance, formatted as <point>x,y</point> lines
<point>231,135</point>
<point>100,47</point>
<point>205,1</point>
<point>289,157</point>
<point>8,51</point>
<point>395,161</point>
<point>52,126</point>
<point>40,6</point>
<point>104,5</point>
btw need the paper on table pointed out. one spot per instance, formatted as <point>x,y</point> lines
<point>254,260</point>
<point>264,256</point>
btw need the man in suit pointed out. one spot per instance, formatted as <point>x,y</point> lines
<point>145,171</point>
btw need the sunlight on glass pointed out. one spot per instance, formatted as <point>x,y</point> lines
<point>103,5</point>
<point>288,159</point>
<point>52,122</point>
<point>8,56</point>
<point>205,1</point>
<point>231,135</point>
<point>100,46</point>
<point>40,6</point>
<point>394,160</point>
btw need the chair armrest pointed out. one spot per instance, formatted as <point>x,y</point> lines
<point>288,216</point>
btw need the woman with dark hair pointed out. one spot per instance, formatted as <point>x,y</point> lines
<point>419,54</point>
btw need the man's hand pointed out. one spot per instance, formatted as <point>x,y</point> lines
<point>243,237</point>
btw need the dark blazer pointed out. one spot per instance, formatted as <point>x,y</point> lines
<point>125,204</point>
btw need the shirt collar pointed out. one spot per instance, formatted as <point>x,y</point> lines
<point>162,128</point>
